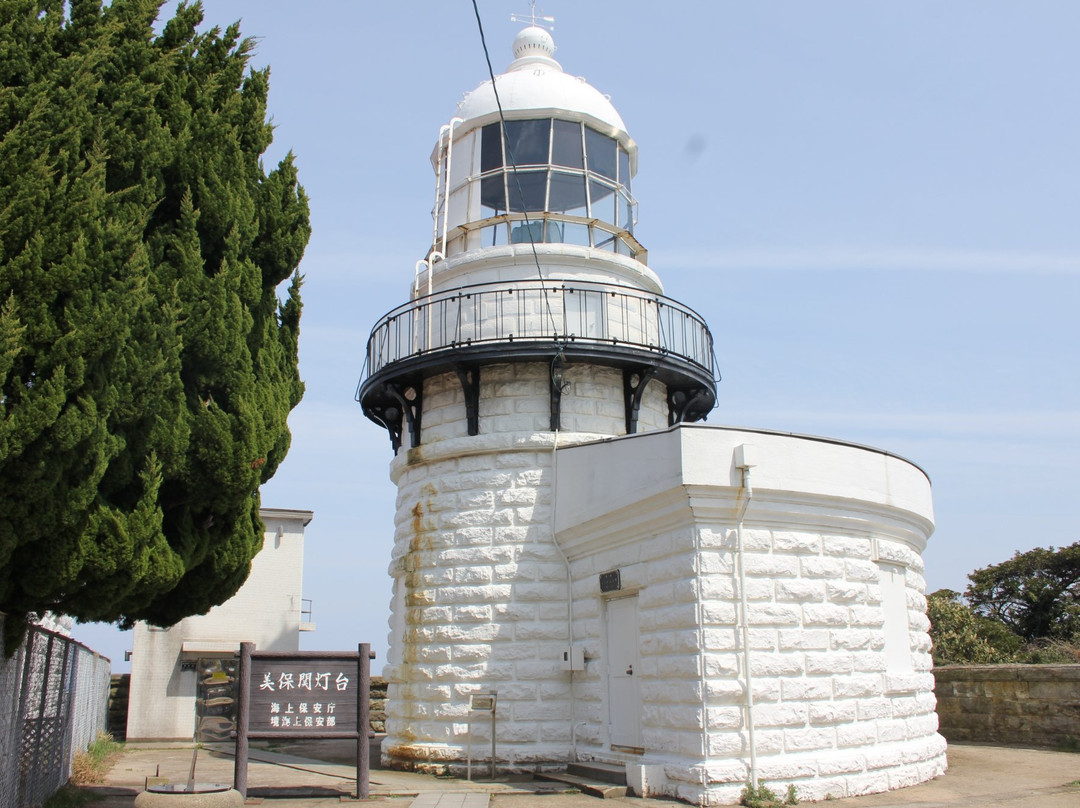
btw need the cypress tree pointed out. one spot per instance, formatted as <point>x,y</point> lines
<point>147,365</point>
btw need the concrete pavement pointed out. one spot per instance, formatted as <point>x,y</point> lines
<point>978,777</point>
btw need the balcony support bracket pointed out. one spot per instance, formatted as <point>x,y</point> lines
<point>557,385</point>
<point>409,395</point>
<point>635,380</point>
<point>469,376</point>
<point>687,404</point>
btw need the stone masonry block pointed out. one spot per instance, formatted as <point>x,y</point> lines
<point>829,663</point>
<point>780,715</point>
<point>857,639</point>
<point>803,639</point>
<point>670,642</point>
<point>540,630</point>
<point>813,567</point>
<point>796,543</point>
<point>679,616</point>
<point>721,639</point>
<point>678,717</point>
<point>718,614</point>
<point>814,689</point>
<point>776,665</point>
<point>471,653</point>
<point>784,770</point>
<point>808,739</point>
<point>840,763</point>
<point>774,614</point>
<point>845,547</point>
<point>860,571</point>
<point>772,566</point>
<point>861,734</point>
<point>717,587</point>
<point>869,662</point>
<point>474,594</point>
<point>722,665</point>
<point>474,613</point>
<point>723,691</point>
<point>767,690</point>
<point>892,730</point>
<point>874,709</point>
<point>539,591</point>
<point>824,614</point>
<point>844,592</point>
<point>472,575</point>
<point>832,712</point>
<point>721,718</point>
<point>867,616</point>
<point>757,541</point>
<point>800,590</point>
<point>858,686</point>
<point>461,556</point>
<point>759,589</point>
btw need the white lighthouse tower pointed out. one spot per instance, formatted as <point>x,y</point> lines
<point>701,606</point>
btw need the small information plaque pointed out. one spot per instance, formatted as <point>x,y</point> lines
<point>610,581</point>
<point>482,702</point>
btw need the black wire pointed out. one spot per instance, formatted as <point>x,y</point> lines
<point>517,180</point>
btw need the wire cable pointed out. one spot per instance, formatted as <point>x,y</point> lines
<point>559,339</point>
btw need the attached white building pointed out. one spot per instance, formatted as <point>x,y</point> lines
<point>183,677</point>
<point>703,606</point>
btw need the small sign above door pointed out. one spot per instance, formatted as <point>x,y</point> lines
<point>610,581</point>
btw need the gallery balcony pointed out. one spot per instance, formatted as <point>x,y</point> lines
<point>647,336</point>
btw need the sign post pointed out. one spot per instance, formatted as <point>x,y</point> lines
<point>481,703</point>
<point>316,695</point>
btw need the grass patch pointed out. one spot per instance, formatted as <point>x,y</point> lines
<point>90,767</point>
<point>765,797</point>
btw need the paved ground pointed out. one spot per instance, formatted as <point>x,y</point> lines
<point>978,777</point>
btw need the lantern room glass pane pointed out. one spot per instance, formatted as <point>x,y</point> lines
<point>567,149</point>
<point>602,198</point>
<point>575,234</point>
<point>602,153</point>
<point>491,155</point>
<point>528,142</point>
<point>527,190</point>
<point>493,192</point>
<point>625,212</point>
<point>527,232</point>
<point>624,167</point>
<point>567,193</point>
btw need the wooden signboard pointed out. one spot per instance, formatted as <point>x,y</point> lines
<point>296,695</point>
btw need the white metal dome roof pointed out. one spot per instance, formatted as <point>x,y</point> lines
<point>535,82</point>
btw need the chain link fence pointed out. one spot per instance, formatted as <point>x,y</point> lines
<point>53,702</point>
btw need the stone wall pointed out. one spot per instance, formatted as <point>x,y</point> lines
<point>1028,705</point>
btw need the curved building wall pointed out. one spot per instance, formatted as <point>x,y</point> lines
<point>838,650</point>
<point>480,587</point>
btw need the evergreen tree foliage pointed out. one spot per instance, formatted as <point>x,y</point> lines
<point>962,637</point>
<point>1035,594</point>
<point>147,366</point>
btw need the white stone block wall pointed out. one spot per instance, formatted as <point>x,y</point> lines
<point>830,716</point>
<point>480,587</point>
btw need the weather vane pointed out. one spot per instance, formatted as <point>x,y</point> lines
<point>534,20</point>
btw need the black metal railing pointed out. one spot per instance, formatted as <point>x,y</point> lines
<point>579,313</point>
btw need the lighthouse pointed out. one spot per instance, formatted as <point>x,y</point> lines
<point>582,569</point>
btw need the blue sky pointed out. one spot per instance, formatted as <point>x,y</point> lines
<point>876,207</point>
